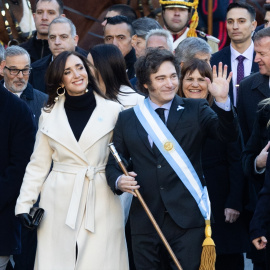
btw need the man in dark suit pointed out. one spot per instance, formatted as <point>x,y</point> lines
<point>240,26</point>
<point>62,37</point>
<point>16,74</point>
<point>252,90</point>
<point>44,12</point>
<point>172,205</point>
<point>17,136</point>
<point>119,31</point>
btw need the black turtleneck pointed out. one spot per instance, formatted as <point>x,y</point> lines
<point>79,109</point>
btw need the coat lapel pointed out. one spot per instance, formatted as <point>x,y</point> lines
<point>261,83</point>
<point>56,126</point>
<point>99,124</point>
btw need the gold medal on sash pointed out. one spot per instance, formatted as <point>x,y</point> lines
<point>168,146</point>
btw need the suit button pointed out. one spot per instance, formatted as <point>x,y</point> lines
<point>158,166</point>
<point>161,188</point>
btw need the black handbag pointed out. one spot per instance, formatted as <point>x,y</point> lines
<point>36,215</point>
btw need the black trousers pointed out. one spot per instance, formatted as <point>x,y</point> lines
<point>230,262</point>
<point>150,254</point>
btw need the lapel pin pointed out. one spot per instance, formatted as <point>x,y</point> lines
<point>179,108</point>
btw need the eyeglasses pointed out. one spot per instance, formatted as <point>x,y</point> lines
<point>15,72</point>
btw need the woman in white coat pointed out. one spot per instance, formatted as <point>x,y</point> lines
<point>83,225</point>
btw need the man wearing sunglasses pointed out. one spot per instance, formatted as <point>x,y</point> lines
<point>16,71</point>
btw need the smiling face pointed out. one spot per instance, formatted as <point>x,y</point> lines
<point>75,77</point>
<point>176,18</point>
<point>240,25</point>
<point>164,84</point>
<point>262,49</point>
<point>194,85</point>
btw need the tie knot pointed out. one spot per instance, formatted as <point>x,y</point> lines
<point>240,58</point>
<point>160,112</point>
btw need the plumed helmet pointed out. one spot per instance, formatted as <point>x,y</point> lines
<point>188,4</point>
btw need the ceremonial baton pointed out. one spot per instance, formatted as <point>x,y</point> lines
<point>145,207</point>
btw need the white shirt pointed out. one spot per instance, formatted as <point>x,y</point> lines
<point>248,53</point>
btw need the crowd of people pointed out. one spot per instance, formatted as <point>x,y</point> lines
<point>190,123</point>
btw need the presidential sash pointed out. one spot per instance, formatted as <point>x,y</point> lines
<point>174,154</point>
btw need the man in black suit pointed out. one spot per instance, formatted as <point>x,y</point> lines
<point>62,37</point>
<point>172,205</point>
<point>17,136</point>
<point>240,26</point>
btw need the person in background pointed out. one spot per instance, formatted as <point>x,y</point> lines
<point>142,26</point>
<point>82,215</point>
<point>220,161</point>
<point>239,56</point>
<point>193,47</point>
<point>112,77</point>
<point>16,75</point>
<point>159,38</point>
<point>119,31</point>
<point>62,37</point>
<point>44,12</point>
<point>120,9</point>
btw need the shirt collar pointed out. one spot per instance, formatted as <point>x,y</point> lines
<point>165,106</point>
<point>248,53</point>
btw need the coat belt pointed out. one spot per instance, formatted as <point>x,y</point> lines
<point>81,173</point>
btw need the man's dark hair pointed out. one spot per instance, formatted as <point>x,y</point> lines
<point>124,10</point>
<point>150,63</point>
<point>143,25</point>
<point>121,19</point>
<point>265,32</point>
<point>59,2</point>
<point>249,8</point>
<point>266,7</point>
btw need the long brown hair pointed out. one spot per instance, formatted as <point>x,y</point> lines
<point>205,71</point>
<point>54,76</point>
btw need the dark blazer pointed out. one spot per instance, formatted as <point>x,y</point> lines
<point>159,185</point>
<point>39,68</point>
<point>224,177</point>
<point>34,99</point>
<point>259,225</point>
<point>257,141</point>
<point>224,56</point>
<point>17,137</point>
<point>252,90</point>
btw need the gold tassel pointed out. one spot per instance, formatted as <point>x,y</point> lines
<point>194,21</point>
<point>208,257</point>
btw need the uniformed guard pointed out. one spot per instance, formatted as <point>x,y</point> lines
<point>181,19</point>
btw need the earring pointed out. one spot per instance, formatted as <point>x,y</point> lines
<point>59,94</point>
<point>86,90</point>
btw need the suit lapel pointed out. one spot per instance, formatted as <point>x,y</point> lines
<point>176,111</point>
<point>99,124</point>
<point>56,126</point>
<point>262,84</point>
<point>143,134</point>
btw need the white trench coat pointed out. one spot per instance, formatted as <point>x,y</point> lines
<point>80,208</point>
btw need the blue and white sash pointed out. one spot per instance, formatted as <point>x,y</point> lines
<point>174,154</point>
